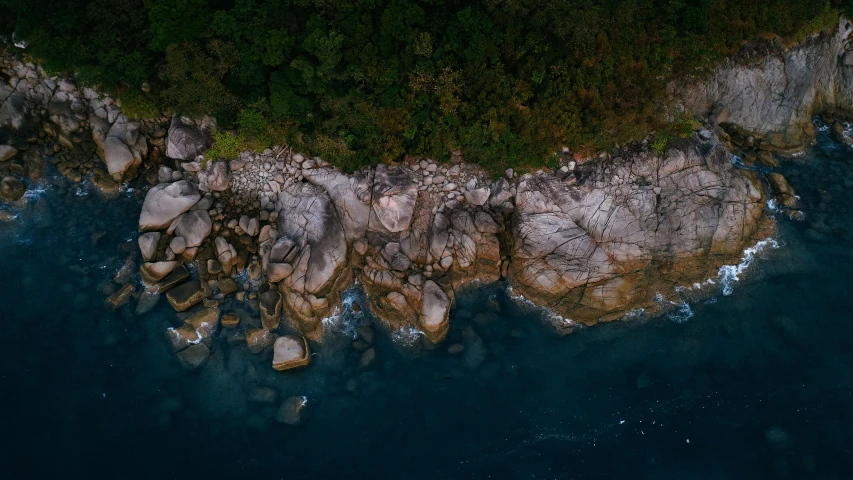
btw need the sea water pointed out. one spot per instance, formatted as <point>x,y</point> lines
<point>753,381</point>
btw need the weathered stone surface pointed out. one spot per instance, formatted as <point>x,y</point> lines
<point>204,321</point>
<point>194,356</point>
<point>194,227</point>
<point>436,309</point>
<point>215,178</point>
<point>7,152</point>
<point>270,309</point>
<point>182,337</point>
<point>230,320</point>
<point>121,297</point>
<point>291,351</point>
<point>776,96</point>
<point>394,197</point>
<point>604,246</point>
<point>153,272</point>
<point>783,191</point>
<point>188,294</point>
<point>12,188</point>
<point>123,148</point>
<point>179,275</point>
<point>164,203</point>
<point>189,139</point>
<point>317,249</point>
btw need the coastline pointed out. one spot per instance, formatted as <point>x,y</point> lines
<point>584,241</point>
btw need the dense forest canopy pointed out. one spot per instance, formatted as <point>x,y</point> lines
<point>508,82</point>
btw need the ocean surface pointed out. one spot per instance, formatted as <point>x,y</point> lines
<point>753,384</point>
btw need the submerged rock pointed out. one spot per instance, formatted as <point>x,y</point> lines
<point>12,188</point>
<point>194,356</point>
<point>290,412</point>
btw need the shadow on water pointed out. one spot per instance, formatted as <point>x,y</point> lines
<point>754,385</point>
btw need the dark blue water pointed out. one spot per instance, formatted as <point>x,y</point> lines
<point>756,384</point>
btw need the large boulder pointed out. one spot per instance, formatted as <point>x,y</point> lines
<point>436,309</point>
<point>351,195</point>
<point>316,248</point>
<point>164,203</point>
<point>189,138</point>
<point>123,148</point>
<point>193,227</point>
<point>393,200</point>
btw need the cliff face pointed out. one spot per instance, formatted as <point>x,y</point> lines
<point>775,96</point>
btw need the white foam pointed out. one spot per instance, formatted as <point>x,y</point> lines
<point>546,312</point>
<point>407,335</point>
<point>730,274</point>
<point>773,206</point>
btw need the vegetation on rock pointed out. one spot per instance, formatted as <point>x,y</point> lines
<point>508,82</point>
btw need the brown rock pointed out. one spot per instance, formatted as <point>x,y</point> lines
<point>121,297</point>
<point>270,309</point>
<point>182,337</point>
<point>185,296</point>
<point>227,286</point>
<point>194,356</point>
<point>153,272</point>
<point>230,320</point>
<point>291,351</point>
<point>785,194</point>
<point>258,339</point>
<point>178,276</point>
<point>204,321</point>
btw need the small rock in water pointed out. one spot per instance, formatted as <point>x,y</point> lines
<point>148,245</point>
<point>368,358</point>
<point>264,395</point>
<point>121,297</point>
<point>230,320</point>
<point>291,351</point>
<point>194,356</point>
<point>291,410</point>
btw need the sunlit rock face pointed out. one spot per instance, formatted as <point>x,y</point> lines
<point>608,237</point>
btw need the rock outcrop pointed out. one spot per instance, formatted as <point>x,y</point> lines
<point>189,138</point>
<point>772,96</point>
<point>611,235</point>
<point>165,202</point>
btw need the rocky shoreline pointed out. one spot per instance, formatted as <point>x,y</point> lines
<point>286,234</point>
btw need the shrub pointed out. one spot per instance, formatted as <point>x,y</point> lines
<point>226,145</point>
